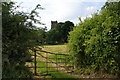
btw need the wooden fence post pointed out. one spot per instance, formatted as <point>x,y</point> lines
<point>47,63</point>
<point>56,63</point>
<point>35,62</point>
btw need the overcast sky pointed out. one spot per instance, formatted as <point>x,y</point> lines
<point>62,10</point>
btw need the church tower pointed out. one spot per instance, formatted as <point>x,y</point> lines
<point>53,24</point>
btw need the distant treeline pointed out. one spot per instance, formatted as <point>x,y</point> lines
<point>57,35</point>
<point>60,33</point>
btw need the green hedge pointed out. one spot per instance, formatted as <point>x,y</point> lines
<point>95,43</point>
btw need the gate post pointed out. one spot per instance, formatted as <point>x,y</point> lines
<point>35,69</point>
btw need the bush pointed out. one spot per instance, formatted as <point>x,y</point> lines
<point>18,35</point>
<point>95,43</point>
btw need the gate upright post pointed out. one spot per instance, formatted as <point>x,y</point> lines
<point>35,69</point>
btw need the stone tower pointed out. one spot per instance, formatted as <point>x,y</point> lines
<point>53,24</point>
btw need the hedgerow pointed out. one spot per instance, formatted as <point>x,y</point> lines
<point>95,42</point>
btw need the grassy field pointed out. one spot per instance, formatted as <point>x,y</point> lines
<point>56,48</point>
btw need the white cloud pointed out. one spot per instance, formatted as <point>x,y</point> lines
<point>91,8</point>
<point>63,10</point>
<point>93,0</point>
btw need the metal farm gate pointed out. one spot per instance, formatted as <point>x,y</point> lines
<point>44,64</point>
